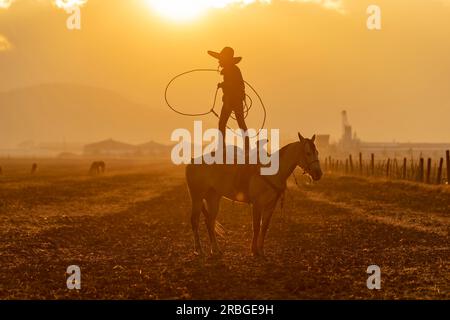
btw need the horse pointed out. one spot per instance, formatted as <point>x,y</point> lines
<point>93,170</point>
<point>101,166</point>
<point>208,184</point>
<point>97,167</point>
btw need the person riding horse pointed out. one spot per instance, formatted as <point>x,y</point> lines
<point>233,88</point>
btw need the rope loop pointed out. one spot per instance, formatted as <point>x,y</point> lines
<point>247,107</point>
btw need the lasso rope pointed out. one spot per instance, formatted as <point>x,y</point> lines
<point>246,106</point>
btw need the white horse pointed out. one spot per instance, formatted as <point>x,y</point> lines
<point>210,183</point>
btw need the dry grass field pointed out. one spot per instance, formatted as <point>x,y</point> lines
<point>129,231</point>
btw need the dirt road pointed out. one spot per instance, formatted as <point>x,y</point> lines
<point>130,234</point>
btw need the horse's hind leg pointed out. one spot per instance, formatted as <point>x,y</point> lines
<point>210,213</point>
<point>256,212</point>
<point>195,217</point>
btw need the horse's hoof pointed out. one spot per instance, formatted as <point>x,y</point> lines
<point>216,252</point>
<point>198,252</point>
<point>260,253</point>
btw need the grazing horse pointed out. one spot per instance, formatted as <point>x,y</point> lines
<point>210,183</point>
<point>34,168</point>
<point>97,167</point>
<point>101,166</point>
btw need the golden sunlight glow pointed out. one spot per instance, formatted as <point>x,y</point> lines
<point>66,4</point>
<point>177,9</point>
<point>5,45</point>
<point>190,9</point>
<point>5,4</point>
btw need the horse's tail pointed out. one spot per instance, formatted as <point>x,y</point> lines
<point>220,230</point>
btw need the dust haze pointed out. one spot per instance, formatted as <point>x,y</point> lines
<point>309,63</point>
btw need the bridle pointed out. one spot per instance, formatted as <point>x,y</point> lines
<point>280,191</point>
<point>304,168</point>
<point>308,166</point>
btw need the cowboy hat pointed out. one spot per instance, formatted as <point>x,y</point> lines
<point>227,54</point>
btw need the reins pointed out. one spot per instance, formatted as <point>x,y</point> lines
<point>281,192</point>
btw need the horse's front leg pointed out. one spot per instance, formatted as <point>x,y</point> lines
<point>210,217</point>
<point>266,217</point>
<point>195,215</point>
<point>256,212</point>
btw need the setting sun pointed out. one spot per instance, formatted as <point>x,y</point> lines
<point>189,9</point>
<point>179,9</point>
<point>182,10</point>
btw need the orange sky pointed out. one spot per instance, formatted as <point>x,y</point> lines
<point>308,62</point>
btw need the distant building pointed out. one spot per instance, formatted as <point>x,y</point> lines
<point>349,140</point>
<point>350,143</point>
<point>408,149</point>
<point>29,144</point>
<point>109,147</point>
<point>323,141</point>
<point>153,148</point>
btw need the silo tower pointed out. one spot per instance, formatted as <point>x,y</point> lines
<point>346,131</point>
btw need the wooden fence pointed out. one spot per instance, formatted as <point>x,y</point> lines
<point>426,170</point>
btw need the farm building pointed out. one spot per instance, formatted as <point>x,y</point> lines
<point>323,141</point>
<point>153,148</point>
<point>109,147</point>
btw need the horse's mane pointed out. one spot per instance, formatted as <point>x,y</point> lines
<point>308,141</point>
<point>285,148</point>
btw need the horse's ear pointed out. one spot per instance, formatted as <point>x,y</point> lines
<point>300,137</point>
<point>313,138</point>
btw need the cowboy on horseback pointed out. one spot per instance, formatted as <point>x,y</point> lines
<point>233,88</point>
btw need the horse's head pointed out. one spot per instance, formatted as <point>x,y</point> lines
<point>309,157</point>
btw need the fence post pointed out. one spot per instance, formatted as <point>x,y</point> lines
<point>372,164</point>
<point>395,168</point>
<point>360,164</point>
<point>387,167</point>
<point>350,162</point>
<point>404,169</point>
<point>428,170</point>
<point>421,169</point>
<point>448,166</point>
<point>439,171</point>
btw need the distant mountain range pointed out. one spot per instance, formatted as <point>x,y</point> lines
<point>77,113</point>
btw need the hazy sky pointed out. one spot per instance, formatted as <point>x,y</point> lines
<point>309,59</point>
